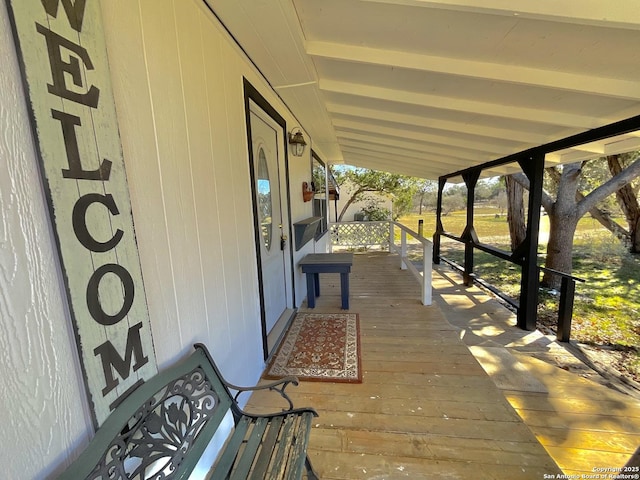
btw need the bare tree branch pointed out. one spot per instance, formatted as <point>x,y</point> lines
<point>606,221</point>
<point>547,200</point>
<point>609,187</point>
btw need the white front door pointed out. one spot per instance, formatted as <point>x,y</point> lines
<point>267,140</point>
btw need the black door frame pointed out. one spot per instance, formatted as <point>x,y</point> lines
<point>252,94</point>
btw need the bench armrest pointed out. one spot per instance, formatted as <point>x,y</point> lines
<point>277,386</point>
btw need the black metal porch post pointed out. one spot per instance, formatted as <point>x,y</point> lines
<point>439,227</point>
<point>469,235</point>
<point>533,167</point>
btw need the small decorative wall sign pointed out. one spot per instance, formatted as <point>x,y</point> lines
<point>64,66</point>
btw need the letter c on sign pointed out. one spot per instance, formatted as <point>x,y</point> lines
<point>80,222</point>
<point>93,300</point>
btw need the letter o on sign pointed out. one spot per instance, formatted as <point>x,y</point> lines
<point>93,299</point>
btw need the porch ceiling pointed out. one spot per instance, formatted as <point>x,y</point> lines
<point>427,87</point>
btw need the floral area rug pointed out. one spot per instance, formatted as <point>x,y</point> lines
<point>320,347</point>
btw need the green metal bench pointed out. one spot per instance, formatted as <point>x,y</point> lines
<point>162,428</point>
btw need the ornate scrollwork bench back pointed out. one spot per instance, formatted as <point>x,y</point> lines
<point>162,428</point>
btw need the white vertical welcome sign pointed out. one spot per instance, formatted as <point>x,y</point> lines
<point>66,76</point>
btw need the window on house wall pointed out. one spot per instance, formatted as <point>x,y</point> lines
<point>319,176</point>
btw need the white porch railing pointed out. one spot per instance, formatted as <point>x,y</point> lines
<point>360,235</point>
<point>355,235</point>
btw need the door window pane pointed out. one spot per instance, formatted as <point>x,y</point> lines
<point>265,205</point>
<point>319,175</point>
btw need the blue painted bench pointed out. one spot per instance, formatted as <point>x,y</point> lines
<point>162,428</point>
<point>316,263</point>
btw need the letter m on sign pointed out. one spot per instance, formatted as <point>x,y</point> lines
<point>111,359</point>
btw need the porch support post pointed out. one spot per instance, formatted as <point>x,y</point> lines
<point>403,249</point>
<point>439,227</point>
<point>469,235</point>
<point>565,309</point>
<point>533,167</point>
<point>427,273</point>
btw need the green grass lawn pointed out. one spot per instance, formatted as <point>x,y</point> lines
<point>607,305</point>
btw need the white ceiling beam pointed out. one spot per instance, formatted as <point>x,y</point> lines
<point>618,14</point>
<point>613,145</point>
<point>424,121</point>
<point>425,154</point>
<point>429,172</point>
<point>392,159</point>
<point>622,145</point>
<point>491,150</point>
<point>552,159</point>
<point>585,84</point>
<point>381,164</point>
<point>550,117</point>
<point>400,159</point>
<point>597,148</point>
<point>415,146</point>
<point>369,143</point>
<point>351,144</point>
<point>588,151</point>
<point>395,156</point>
<point>570,156</point>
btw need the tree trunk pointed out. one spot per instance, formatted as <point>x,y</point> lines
<point>628,202</point>
<point>353,198</point>
<point>560,248</point>
<point>346,206</point>
<point>563,221</point>
<point>515,212</point>
<point>635,238</point>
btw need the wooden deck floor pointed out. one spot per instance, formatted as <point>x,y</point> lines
<point>425,408</point>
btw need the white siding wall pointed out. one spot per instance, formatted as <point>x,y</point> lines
<point>300,171</point>
<point>177,80</point>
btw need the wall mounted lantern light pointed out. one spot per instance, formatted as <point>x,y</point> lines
<point>297,142</point>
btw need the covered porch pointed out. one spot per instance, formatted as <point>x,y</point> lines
<point>418,87</point>
<point>427,408</point>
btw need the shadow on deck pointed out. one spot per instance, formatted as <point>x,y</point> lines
<point>428,409</point>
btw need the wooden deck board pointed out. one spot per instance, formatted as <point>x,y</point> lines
<point>425,408</point>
